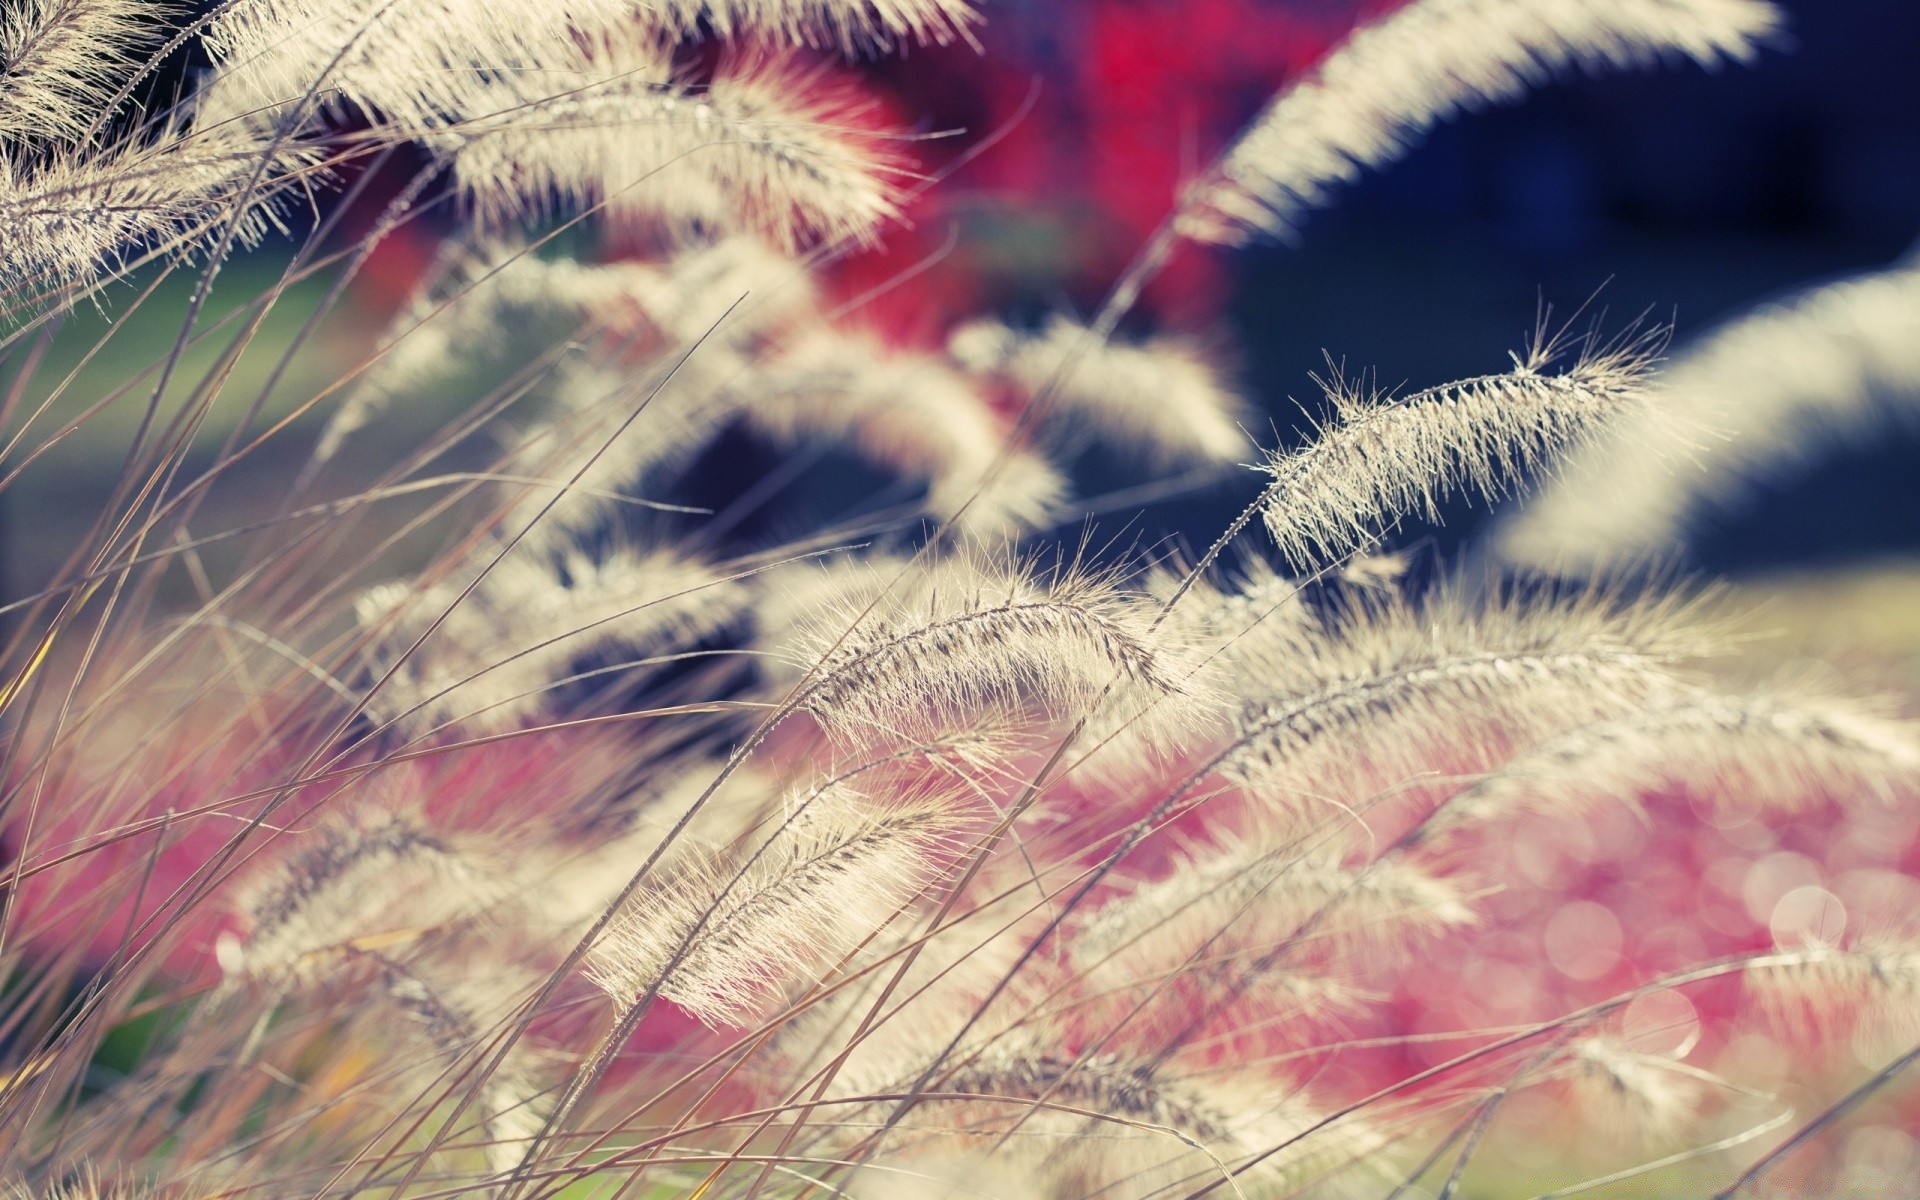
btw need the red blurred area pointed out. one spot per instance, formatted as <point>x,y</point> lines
<point>1078,123</point>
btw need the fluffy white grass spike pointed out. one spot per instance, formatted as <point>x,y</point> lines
<point>1257,612</point>
<point>414,62</point>
<point>963,638</point>
<point>68,218</point>
<point>1755,398</point>
<point>1382,458</point>
<point>952,981</point>
<point>494,304</point>
<point>712,311</point>
<point>1396,681</point>
<point>1640,1097</point>
<point>1107,1125</point>
<point>492,294</point>
<point>791,598</point>
<point>62,60</point>
<point>1873,981</point>
<point>908,413</point>
<point>727,939</point>
<point>458,1002</point>
<point>493,662</point>
<point>370,875</point>
<point>1252,897</point>
<point>571,881</point>
<point>1768,751</point>
<point>738,289</point>
<point>768,144</point>
<point>1161,395</point>
<point>850,25</point>
<point>1393,80</point>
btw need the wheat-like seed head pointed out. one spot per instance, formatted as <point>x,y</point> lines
<point>1642,1097</point>
<point>766,144</point>
<point>1391,81</point>
<point>1397,683</point>
<point>70,216</point>
<point>494,655</point>
<point>966,638</point>
<point>61,61</point>
<point>727,939</point>
<point>1762,751</point>
<point>1746,402</point>
<point>1382,459</point>
<point>1161,396</point>
<point>1256,897</point>
<point>367,875</point>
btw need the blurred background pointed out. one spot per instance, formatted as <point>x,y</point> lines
<point>1056,146</point>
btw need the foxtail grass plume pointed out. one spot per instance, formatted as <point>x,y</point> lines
<point>1394,683</point>
<point>969,638</point>
<point>765,145</point>
<point>1393,80</point>
<point>1161,396</point>
<point>727,939</point>
<point>1745,405</point>
<point>1381,459</point>
<point>62,62</point>
<point>493,654</point>
<point>935,837</point>
<point>1256,895</point>
<point>1765,751</point>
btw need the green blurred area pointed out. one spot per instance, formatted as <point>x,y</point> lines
<point>264,347</point>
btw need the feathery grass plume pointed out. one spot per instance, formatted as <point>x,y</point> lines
<point>1370,100</point>
<point>61,61</point>
<point>1257,894</point>
<point>1109,1125</point>
<point>962,974</point>
<point>963,637</point>
<point>493,300</point>
<point>738,290</point>
<point>1873,980</point>
<point>908,413</point>
<point>458,999</point>
<point>850,25</point>
<point>1382,458</point>
<point>908,931</point>
<point>1256,610</point>
<point>1753,399</point>
<point>791,598</point>
<point>1161,396</point>
<point>727,939</point>
<point>67,217</point>
<point>1385,687</point>
<point>1768,751</point>
<point>618,428</point>
<point>1645,1098</point>
<point>767,144</point>
<point>571,879</point>
<point>371,873</point>
<point>413,62</point>
<point>493,661</point>
<point>633,413</point>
